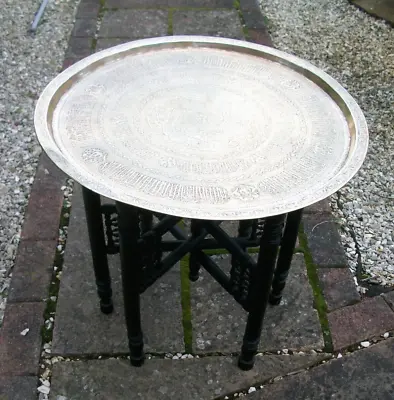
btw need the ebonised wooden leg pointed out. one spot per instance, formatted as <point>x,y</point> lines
<point>260,287</point>
<point>131,265</point>
<point>194,265</point>
<point>98,248</point>
<point>289,241</point>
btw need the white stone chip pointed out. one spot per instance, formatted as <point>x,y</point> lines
<point>365,344</point>
<point>356,49</point>
<point>27,64</point>
<point>44,389</point>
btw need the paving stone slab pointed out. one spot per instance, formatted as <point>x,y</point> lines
<point>362,321</point>
<point>389,297</point>
<point>169,3</point>
<point>324,241</point>
<point>362,375</point>
<point>259,36</point>
<point>219,322</point>
<point>211,23</point>
<point>134,24</point>
<point>84,27</point>
<point>19,354</point>
<point>79,47</point>
<point>253,19</point>
<point>191,379</point>
<point>321,207</point>
<point>379,8</point>
<point>67,62</point>
<point>250,5</point>
<point>32,271</point>
<point>88,9</point>
<point>338,287</point>
<point>103,43</point>
<point>18,388</point>
<point>80,327</point>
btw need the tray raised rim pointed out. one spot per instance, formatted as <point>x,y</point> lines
<point>347,104</point>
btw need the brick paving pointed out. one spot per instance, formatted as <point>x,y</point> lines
<point>321,300</point>
<point>382,8</point>
<point>350,325</point>
<point>338,287</point>
<point>362,375</point>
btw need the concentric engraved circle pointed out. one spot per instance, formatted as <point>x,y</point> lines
<point>202,127</point>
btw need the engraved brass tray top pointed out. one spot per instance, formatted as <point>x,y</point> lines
<point>202,127</point>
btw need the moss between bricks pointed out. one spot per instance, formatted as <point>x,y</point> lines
<point>55,281</point>
<point>50,308</point>
<point>266,21</point>
<point>94,44</point>
<point>100,16</point>
<point>237,6</point>
<point>170,28</point>
<point>102,7</point>
<point>319,301</point>
<point>53,292</point>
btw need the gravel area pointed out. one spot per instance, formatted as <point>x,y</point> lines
<point>27,63</point>
<point>358,50</point>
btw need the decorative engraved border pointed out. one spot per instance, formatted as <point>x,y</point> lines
<point>359,131</point>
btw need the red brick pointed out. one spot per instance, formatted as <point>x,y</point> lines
<point>338,287</point>
<point>361,375</point>
<point>320,207</point>
<point>45,203</point>
<point>362,321</point>
<point>250,5</point>
<point>88,9</point>
<point>260,36</point>
<point>389,297</point>
<point>324,241</point>
<point>67,62</point>
<point>19,355</point>
<point>253,19</point>
<point>79,47</point>
<point>332,276</point>
<point>84,27</point>
<point>169,3</point>
<point>32,271</point>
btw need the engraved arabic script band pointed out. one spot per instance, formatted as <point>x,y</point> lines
<point>202,127</point>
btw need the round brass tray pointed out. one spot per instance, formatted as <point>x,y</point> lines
<point>202,127</point>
